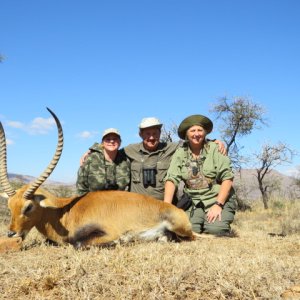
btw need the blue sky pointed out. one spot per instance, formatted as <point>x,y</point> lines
<point>100,64</point>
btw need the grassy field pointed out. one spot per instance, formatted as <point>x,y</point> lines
<point>260,263</point>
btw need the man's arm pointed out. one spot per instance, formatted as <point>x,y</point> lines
<point>84,157</point>
<point>221,146</point>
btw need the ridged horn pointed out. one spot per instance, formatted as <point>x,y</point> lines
<point>3,165</point>
<point>38,182</point>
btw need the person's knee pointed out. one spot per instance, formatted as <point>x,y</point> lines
<point>197,227</point>
<point>197,220</point>
<point>219,228</point>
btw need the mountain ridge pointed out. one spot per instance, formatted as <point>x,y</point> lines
<point>28,178</point>
<point>244,180</point>
<point>284,185</point>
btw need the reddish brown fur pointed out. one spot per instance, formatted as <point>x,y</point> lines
<point>96,218</point>
<point>104,216</point>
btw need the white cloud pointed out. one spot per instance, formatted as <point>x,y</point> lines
<point>9,142</point>
<point>87,134</point>
<point>41,125</point>
<point>15,124</point>
<point>37,126</point>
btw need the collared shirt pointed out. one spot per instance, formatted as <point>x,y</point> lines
<point>214,167</point>
<point>97,172</point>
<point>141,159</point>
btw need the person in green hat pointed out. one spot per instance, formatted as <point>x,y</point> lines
<point>207,177</point>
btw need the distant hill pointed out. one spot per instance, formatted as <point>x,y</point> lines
<point>27,179</point>
<point>245,181</point>
<point>62,189</point>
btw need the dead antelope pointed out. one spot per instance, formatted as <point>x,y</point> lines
<point>96,218</point>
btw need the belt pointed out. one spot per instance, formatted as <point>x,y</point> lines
<point>200,205</point>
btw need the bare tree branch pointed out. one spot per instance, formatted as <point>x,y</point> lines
<point>268,159</point>
<point>238,116</point>
<point>169,134</point>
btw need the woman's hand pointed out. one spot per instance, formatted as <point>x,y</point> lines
<point>214,213</point>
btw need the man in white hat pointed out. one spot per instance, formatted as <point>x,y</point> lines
<point>149,159</point>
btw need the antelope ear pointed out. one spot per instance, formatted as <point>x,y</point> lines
<point>54,202</point>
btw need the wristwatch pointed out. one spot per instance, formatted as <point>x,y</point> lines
<point>219,204</point>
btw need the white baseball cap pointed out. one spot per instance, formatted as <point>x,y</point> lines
<point>150,122</point>
<point>110,130</point>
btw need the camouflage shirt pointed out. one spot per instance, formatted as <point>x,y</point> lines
<point>100,174</point>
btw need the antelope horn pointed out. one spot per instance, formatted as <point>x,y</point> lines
<point>3,165</point>
<point>38,182</point>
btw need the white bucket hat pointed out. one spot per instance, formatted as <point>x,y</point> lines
<point>150,122</point>
<point>110,130</point>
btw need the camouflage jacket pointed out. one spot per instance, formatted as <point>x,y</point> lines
<point>99,174</point>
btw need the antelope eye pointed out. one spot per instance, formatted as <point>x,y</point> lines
<point>27,209</point>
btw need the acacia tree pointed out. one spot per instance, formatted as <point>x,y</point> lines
<point>267,159</point>
<point>239,116</point>
<point>297,182</point>
<point>297,177</point>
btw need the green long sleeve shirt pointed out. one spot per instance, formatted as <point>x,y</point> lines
<point>213,167</point>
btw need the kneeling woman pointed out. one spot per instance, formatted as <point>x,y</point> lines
<point>207,175</point>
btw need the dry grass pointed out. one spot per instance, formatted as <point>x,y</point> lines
<point>253,265</point>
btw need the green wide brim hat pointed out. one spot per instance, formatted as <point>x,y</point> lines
<point>190,121</point>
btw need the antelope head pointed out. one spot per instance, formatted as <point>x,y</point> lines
<point>24,204</point>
